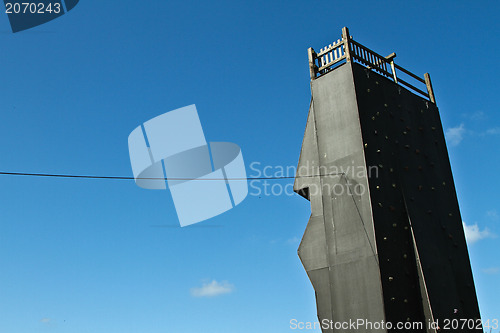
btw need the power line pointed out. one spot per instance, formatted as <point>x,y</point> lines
<point>52,175</point>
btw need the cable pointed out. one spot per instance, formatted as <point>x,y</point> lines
<point>132,178</point>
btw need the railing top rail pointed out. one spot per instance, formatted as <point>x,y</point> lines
<point>347,49</point>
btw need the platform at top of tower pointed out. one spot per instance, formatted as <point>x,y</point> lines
<point>346,49</point>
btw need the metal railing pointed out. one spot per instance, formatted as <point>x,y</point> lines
<point>347,50</point>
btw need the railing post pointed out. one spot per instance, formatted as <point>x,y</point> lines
<point>312,62</point>
<point>430,91</point>
<point>390,59</point>
<point>393,69</point>
<point>347,47</point>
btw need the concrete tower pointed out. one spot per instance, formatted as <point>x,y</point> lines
<point>385,241</point>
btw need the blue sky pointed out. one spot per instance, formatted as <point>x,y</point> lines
<point>105,256</point>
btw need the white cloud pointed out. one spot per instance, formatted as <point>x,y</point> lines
<point>478,115</point>
<point>455,135</point>
<point>212,289</point>
<point>45,320</point>
<point>493,131</point>
<point>492,214</point>
<point>290,241</point>
<point>492,270</point>
<point>473,234</point>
